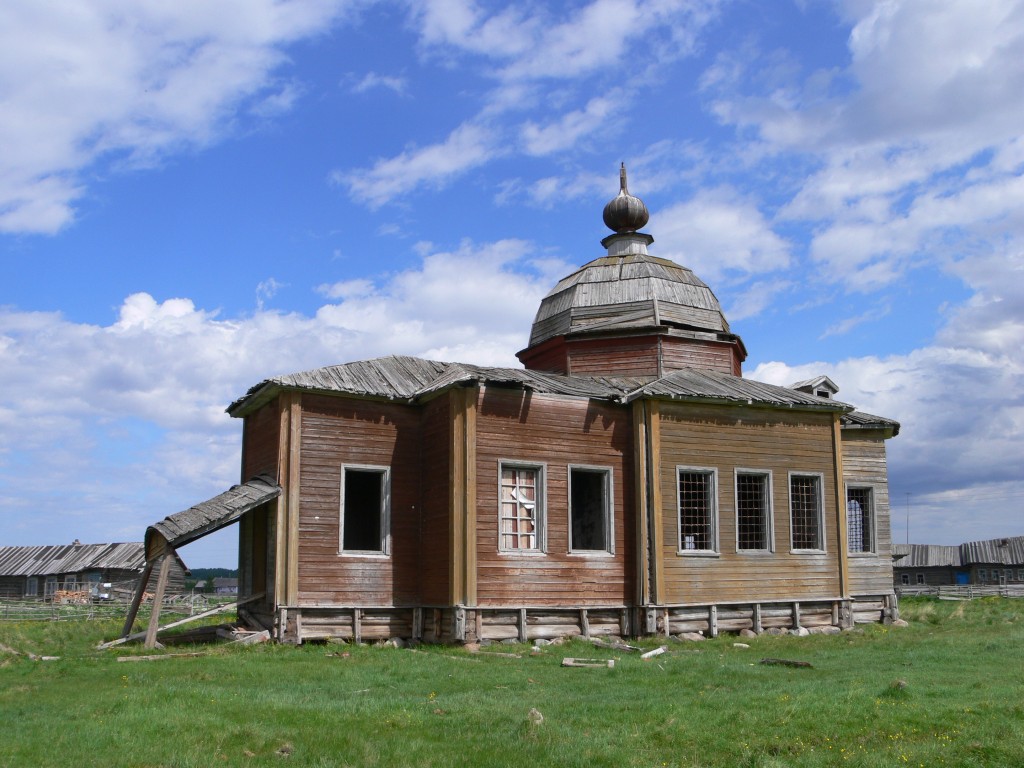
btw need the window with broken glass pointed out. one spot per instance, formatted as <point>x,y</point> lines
<point>521,508</point>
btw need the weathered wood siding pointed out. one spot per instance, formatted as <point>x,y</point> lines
<point>527,427</point>
<point>435,550</point>
<point>864,464</point>
<point>688,353</point>
<point>614,357</point>
<point>337,431</point>
<point>726,438</point>
<point>260,442</point>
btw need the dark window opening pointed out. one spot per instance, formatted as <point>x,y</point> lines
<point>588,509</point>
<point>363,511</point>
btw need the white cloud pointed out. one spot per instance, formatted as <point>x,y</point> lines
<point>718,233</point>
<point>572,126</point>
<point>373,80</point>
<point>467,147</point>
<point>129,417</point>
<point>132,81</point>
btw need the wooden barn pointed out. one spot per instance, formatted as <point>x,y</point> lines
<point>626,481</point>
<point>992,562</point>
<point>43,572</point>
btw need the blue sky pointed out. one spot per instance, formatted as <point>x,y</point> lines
<point>194,198</point>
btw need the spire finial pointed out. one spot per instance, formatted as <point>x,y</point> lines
<point>625,213</point>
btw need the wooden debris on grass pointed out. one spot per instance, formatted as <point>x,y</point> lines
<point>615,645</point>
<point>29,654</point>
<point>569,661</point>
<point>656,652</point>
<point>161,656</point>
<point>787,663</point>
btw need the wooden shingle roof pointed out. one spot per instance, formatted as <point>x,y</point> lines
<point>56,559</point>
<point>411,379</point>
<point>216,513</point>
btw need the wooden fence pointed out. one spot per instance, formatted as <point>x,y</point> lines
<point>964,591</point>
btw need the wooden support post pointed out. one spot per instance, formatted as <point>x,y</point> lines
<point>713,620</point>
<point>522,625</point>
<point>584,624</point>
<point>357,629</point>
<point>137,600</point>
<point>417,624</point>
<point>625,627</point>
<point>668,624</point>
<point>158,599</point>
<point>298,626</point>
<point>758,628</point>
<point>437,625</point>
<point>459,621</point>
<point>835,613</point>
<point>796,615</point>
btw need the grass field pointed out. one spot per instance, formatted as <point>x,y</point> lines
<point>948,690</point>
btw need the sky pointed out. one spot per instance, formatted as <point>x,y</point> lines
<point>197,196</point>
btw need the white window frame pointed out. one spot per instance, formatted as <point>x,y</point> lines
<point>608,515</point>
<point>385,512</point>
<point>541,502</point>
<point>769,512</point>
<point>821,548</point>
<point>872,516</point>
<point>712,474</point>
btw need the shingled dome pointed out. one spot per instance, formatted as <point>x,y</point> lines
<point>635,291</point>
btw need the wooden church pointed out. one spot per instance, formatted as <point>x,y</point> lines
<point>626,481</point>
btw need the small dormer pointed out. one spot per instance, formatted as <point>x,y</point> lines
<point>820,386</point>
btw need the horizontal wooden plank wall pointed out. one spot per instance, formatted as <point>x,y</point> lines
<point>338,431</point>
<point>614,357</point>
<point>726,438</point>
<point>526,427</point>
<point>260,442</point>
<point>678,353</point>
<point>864,464</point>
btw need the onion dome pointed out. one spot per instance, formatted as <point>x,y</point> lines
<point>625,213</point>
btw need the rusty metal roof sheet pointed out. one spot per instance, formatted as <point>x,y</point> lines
<point>216,513</point>
<point>55,559</point>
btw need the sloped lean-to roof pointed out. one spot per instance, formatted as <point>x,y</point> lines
<point>409,379</point>
<point>925,556</point>
<point>216,513</point>
<point>1008,551</point>
<point>58,559</point>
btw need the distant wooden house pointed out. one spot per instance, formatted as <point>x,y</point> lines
<point>223,585</point>
<point>627,481</point>
<point>41,572</point>
<point>991,562</point>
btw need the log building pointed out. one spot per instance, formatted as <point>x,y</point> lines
<point>626,481</point>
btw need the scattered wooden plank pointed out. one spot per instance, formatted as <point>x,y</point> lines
<point>614,645</point>
<point>787,663</point>
<point>569,661</point>
<point>655,652</point>
<point>159,656</point>
<point>203,615</point>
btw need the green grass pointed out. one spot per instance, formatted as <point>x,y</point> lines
<point>945,691</point>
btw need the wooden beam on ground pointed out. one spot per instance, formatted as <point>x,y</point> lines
<point>203,615</point>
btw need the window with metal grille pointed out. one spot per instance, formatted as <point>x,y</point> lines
<point>859,520</point>
<point>590,513</point>
<point>697,510</point>
<point>522,508</point>
<point>365,508</point>
<point>805,511</point>
<point>753,531</point>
